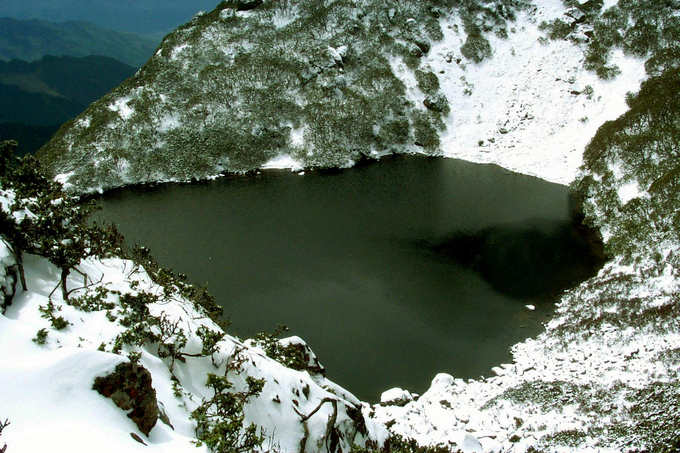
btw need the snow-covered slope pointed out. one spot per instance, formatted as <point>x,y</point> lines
<point>529,108</point>
<point>240,90</point>
<point>46,388</point>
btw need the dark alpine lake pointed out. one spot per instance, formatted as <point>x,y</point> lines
<point>391,271</point>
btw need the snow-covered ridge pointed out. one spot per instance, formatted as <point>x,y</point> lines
<point>191,111</point>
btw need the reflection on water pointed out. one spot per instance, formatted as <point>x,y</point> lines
<point>535,259</point>
<point>392,271</point>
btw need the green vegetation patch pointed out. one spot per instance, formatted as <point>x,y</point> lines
<point>639,150</point>
<point>242,84</point>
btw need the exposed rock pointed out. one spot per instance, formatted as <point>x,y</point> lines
<point>395,397</point>
<point>244,5</point>
<point>576,14</point>
<point>164,416</point>
<point>436,102</point>
<point>414,50</point>
<point>422,43</point>
<point>137,438</point>
<point>129,386</point>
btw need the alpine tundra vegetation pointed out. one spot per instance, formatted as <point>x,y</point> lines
<point>582,91</point>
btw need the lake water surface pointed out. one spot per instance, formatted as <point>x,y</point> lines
<point>391,271</point>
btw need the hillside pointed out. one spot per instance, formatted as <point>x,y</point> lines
<point>30,138</point>
<point>31,40</point>
<point>237,88</point>
<point>82,80</point>
<point>582,92</point>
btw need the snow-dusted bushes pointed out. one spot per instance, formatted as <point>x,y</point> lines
<point>43,221</point>
<point>632,173</point>
<point>647,29</point>
<point>232,90</point>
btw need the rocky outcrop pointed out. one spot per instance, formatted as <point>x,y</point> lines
<point>129,387</point>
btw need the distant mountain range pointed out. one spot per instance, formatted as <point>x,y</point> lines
<point>147,17</point>
<point>36,98</point>
<point>32,39</point>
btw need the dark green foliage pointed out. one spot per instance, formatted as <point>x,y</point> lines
<point>136,307</point>
<point>645,29</point>
<point>175,284</point>
<point>7,161</point>
<point>399,444</point>
<point>58,322</point>
<point>549,396</point>
<point>41,337</point>
<point>476,47</point>
<point>220,419</point>
<point>427,81</point>
<point>171,340</point>
<point>294,356</point>
<point>57,227</point>
<point>210,339</point>
<point>425,133</point>
<point>656,415</point>
<point>643,145</point>
<point>556,29</point>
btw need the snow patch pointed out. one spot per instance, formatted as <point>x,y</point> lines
<point>121,107</point>
<point>178,50</point>
<point>629,191</point>
<point>297,137</point>
<point>284,161</point>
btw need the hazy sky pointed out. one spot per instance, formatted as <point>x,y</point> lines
<point>154,17</point>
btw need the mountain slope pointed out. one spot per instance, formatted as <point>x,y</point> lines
<point>36,98</point>
<point>35,109</point>
<point>33,39</point>
<point>239,86</point>
<point>82,80</point>
<point>324,87</point>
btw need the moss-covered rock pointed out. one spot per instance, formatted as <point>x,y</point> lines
<point>129,387</point>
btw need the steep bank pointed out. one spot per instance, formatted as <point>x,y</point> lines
<point>295,85</point>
